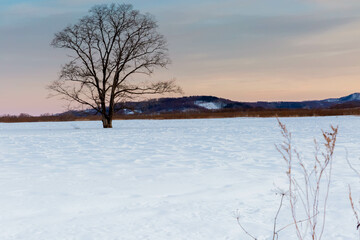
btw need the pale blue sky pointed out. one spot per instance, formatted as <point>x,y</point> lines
<point>245,50</point>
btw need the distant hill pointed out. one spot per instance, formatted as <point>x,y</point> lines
<point>211,103</point>
<point>354,99</point>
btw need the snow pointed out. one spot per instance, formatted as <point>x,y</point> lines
<point>209,105</point>
<point>354,97</point>
<point>332,100</point>
<point>168,179</point>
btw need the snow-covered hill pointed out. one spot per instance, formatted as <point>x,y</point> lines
<point>351,97</point>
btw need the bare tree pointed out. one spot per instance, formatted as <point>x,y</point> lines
<point>111,48</point>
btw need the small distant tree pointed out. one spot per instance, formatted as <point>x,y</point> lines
<point>111,47</point>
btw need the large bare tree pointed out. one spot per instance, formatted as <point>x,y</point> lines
<point>110,49</point>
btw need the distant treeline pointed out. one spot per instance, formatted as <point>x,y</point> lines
<point>186,115</point>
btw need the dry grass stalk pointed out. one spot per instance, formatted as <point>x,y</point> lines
<point>316,178</point>
<point>353,207</point>
<point>354,210</point>
<point>237,216</point>
<point>275,233</point>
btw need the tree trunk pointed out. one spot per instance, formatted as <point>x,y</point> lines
<point>107,122</point>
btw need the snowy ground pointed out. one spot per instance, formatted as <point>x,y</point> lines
<point>170,179</point>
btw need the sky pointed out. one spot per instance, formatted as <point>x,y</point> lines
<point>245,50</point>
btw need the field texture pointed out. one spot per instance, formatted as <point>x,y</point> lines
<point>162,179</point>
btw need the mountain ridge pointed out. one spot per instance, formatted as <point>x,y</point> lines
<point>212,103</point>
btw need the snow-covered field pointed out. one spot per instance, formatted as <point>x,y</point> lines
<point>169,179</point>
